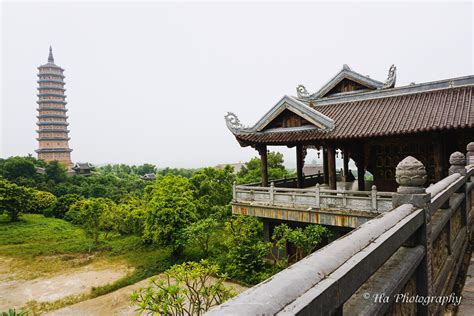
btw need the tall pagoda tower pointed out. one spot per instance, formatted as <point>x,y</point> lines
<point>52,120</point>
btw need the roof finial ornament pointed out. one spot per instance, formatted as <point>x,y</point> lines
<point>50,57</point>
<point>346,67</point>
<point>301,91</point>
<point>391,79</point>
<point>233,122</point>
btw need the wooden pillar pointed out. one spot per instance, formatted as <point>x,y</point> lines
<point>361,169</point>
<point>325,165</point>
<point>299,166</point>
<point>332,166</point>
<point>346,163</point>
<point>440,158</point>
<point>262,150</point>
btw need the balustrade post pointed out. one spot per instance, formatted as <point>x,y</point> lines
<point>272,193</point>
<point>457,160</point>
<point>317,196</point>
<point>411,175</point>
<point>374,198</point>
<point>470,154</point>
<point>234,191</point>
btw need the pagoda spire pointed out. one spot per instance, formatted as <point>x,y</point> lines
<point>50,57</point>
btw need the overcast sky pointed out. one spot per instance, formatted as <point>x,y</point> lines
<point>151,82</point>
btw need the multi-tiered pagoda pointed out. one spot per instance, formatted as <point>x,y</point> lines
<point>52,120</point>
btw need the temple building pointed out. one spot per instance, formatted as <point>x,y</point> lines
<point>373,125</point>
<point>371,122</point>
<point>52,120</point>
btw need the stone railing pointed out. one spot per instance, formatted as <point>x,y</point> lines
<point>314,198</point>
<point>380,267</point>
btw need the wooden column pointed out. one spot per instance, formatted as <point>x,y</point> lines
<point>440,158</point>
<point>299,166</point>
<point>346,163</point>
<point>325,165</point>
<point>332,166</point>
<point>361,169</point>
<point>262,150</point>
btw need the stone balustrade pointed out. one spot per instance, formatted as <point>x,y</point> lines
<point>416,248</point>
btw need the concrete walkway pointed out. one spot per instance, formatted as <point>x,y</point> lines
<point>467,303</point>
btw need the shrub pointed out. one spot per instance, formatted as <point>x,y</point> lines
<point>42,201</point>
<point>187,289</point>
<point>244,250</point>
<point>14,199</point>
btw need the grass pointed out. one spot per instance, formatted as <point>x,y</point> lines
<point>39,246</point>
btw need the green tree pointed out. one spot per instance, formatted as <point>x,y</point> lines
<point>42,201</point>
<point>131,214</point>
<point>213,189</point>
<point>94,214</point>
<point>170,208</point>
<point>187,173</point>
<point>304,240</point>
<point>144,169</point>
<point>251,171</point>
<point>190,288</point>
<point>18,167</point>
<point>56,172</point>
<point>62,205</point>
<point>244,253</point>
<point>14,199</point>
<point>200,234</point>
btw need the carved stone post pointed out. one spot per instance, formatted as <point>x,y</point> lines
<point>374,198</point>
<point>470,153</point>
<point>317,196</point>
<point>457,160</point>
<point>234,190</point>
<point>272,193</point>
<point>411,175</point>
<point>262,150</point>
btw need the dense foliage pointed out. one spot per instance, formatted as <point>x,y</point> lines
<point>186,211</point>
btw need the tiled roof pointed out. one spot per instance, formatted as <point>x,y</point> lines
<point>440,109</point>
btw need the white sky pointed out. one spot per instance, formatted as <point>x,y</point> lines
<point>151,82</point>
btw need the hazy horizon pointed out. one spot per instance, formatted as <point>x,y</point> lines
<point>151,82</point>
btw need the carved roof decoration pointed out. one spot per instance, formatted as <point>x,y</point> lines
<point>346,73</point>
<point>318,120</point>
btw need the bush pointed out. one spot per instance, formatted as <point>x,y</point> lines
<point>14,199</point>
<point>244,252</point>
<point>42,201</point>
<point>188,289</point>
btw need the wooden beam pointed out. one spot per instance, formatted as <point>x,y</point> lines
<point>299,166</point>
<point>332,166</point>
<point>262,150</point>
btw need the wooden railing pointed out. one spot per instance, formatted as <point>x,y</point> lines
<point>316,197</point>
<point>415,249</point>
